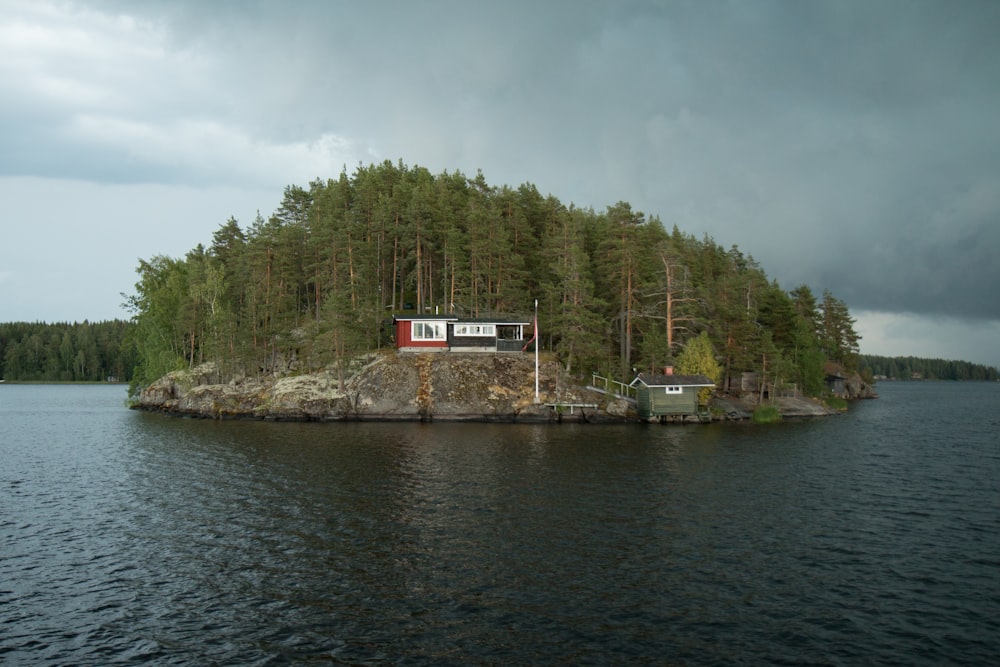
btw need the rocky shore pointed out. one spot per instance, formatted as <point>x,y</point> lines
<point>391,386</point>
<point>414,387</point>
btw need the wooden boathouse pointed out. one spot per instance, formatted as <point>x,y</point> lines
<point>668,395</point>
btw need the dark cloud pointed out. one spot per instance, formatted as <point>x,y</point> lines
<point>850,145</point>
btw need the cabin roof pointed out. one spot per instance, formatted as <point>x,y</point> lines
<point>498,319</point>
<point>409,318</point>
<point>660,380</point>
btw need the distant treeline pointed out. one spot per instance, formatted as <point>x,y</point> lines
<point>62,352</point>
<point>915,368</point>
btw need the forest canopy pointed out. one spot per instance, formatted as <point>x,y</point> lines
<point>915,368</point>
<point>312,286</point>
<point>64,352</point>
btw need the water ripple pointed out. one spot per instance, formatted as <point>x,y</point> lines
<point>128,538</point>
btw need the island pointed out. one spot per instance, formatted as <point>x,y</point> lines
<point>395,293</point>
<point>426,387</point>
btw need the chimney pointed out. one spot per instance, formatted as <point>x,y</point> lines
<point>668,370</point>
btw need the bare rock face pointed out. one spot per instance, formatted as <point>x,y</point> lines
<point>856,388</point>
<point>619,407</point>
<point>431,386</point>
<point>168,391</point>
<point>802,407</point>
<point>446,386</point>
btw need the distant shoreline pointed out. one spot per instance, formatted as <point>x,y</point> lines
<point>94,382</point>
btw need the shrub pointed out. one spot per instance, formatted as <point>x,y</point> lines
<point>836,403</point>
<point>766,414</point>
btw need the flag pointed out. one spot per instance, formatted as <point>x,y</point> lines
<point>534,332</point>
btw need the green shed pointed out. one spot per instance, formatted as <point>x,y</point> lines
<point>668,394</point>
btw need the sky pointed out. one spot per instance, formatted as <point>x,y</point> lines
<point>846,145</point>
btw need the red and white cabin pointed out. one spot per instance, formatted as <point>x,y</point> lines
<point>443,333</point>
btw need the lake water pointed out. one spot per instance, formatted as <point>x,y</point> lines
<point>867,538</point>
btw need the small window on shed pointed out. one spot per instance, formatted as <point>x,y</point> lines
<point>673,389</point>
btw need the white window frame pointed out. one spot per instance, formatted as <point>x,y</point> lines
<point>420,328</point>
<point>673,389</point>
<point>475,330</point>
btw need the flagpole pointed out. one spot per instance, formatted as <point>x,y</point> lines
<point>536,350</point>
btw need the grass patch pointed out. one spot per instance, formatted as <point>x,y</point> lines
<point>766,414</point>
<point>836,403</point>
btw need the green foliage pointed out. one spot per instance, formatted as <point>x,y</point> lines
<point>915,368</point>
<point>162,316</point>
<point>569,301</point>
<point>837,336</point>
<point>698,358</point>
<point>765,414</point>
<point>835,403</point>
<point>63,352</point>
<point>311,285</point>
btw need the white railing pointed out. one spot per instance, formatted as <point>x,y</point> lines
<point>609,386</point>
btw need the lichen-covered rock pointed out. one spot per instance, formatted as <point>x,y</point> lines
<point>856,388</point>
<point>802,407</point>
<point>168,391</point>
<point>619,407</point>
<point>460,386</point>
<point>442,386</point>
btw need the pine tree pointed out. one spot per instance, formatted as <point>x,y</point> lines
<point>312,281</point>
<point>573,311</point>
<point>839,339</point>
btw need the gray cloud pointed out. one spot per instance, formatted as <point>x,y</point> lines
<point>846,145</point>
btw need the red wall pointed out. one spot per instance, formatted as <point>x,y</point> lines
<point>403,330</point>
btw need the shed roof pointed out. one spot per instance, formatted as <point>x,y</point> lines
<point>498,319</point>
<point>660,380</point>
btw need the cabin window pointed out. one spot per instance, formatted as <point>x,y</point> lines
<point>428,331</point>
<point>475,330</point>
<point>671,389</point>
